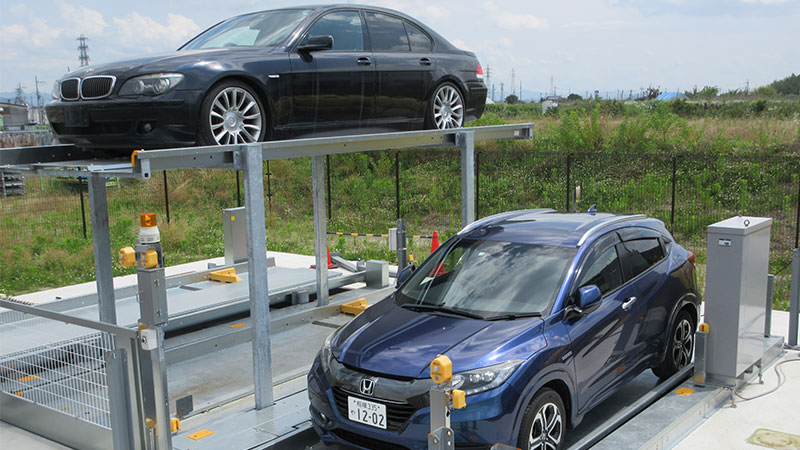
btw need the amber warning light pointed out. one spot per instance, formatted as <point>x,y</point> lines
<point>147,220</point>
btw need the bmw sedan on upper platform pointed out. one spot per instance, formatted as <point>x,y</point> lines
<point>543,314</point>
<point>314,71</point>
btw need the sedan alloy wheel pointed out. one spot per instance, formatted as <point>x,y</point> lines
<point>448,107</point>
<point>235,117</point>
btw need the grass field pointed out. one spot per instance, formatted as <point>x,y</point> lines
<point>731,159</point>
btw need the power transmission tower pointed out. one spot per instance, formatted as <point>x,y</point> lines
<point>84,56</point>
<point>20,99</point>
<point>493,97</point>
<point>488,75</point>
<point>38,100</point>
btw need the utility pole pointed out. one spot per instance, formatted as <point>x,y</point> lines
<point>493,97</point>
<point>513,80</point>
<point>520,90</point>
<point>746,87</point>
<point>38,100</point>
<point>488,75</point>
<point>502,99</point>
<point>84,55</point>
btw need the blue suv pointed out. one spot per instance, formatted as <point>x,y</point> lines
<point>543,314</point>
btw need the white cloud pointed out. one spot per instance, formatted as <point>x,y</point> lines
<point>42,34</point>
<point>13,33</point>
<point>82,20</point>
<point>138,31</point>
<point>513,21</point>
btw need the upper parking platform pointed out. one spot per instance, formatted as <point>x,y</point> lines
<point>548,227</point>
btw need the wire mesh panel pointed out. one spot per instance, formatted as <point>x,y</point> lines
<point>55,365</point>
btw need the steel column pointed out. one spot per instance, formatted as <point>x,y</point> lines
<point>252,168</point>
<point>794,298</point>
<point>465,140</point>
<point>118,398</point>
<point>101,239</point>
<point>320,228</point>
<point>770,300</point>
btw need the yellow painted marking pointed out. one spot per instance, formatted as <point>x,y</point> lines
<point>233,218</point>
<point>28,378</point>
<point>238,325</point>
<point>684,391</point>
<point>200,434</point>
<point>355,307</point>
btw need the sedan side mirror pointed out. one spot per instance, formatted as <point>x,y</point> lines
<point>588,296</point>
<point>316,43</point>
<point>404,274</point>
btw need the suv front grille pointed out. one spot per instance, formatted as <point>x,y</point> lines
<point>97,87</point>
<point>367,442</point>
<point>397,414</point>
<point>69,89</point>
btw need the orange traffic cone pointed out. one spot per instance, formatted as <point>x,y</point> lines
<point>435,241</point>
<point>438,270</point>
<point>331,265</point>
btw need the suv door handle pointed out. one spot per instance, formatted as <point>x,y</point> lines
<point>364,61</point>
<point>425,61</point>
<point>628,303</point>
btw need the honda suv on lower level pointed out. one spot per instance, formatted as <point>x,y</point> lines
<point>543,314</point>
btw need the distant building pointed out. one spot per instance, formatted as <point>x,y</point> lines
<point>15,117</point>
<point>667,96</point>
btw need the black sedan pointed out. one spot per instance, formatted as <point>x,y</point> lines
<point>315,71</point>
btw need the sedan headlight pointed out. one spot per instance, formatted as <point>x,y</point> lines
<point>483,379</point>
<point>56,90</point>
<point>153,84</point>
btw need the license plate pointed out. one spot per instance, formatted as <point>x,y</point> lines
<point>366,412</point>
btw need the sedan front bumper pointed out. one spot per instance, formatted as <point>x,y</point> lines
<point>118,123</point>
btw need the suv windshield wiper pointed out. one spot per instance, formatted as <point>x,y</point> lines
<point>444,309</point>
<point>514,316</point>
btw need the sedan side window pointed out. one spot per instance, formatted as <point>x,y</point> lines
<point>344,26</point>
<point>641,254</point>
<point>387,33</point>
<point>420,42</point>
<point>602,268</point>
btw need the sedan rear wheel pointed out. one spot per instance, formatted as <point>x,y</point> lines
<point>231,114</point>
<point>446,108</point>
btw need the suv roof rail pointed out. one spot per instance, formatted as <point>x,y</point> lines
<point>609,221</point>
<point>503,216</point>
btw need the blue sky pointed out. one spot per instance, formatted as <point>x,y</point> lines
<point>584,45</point>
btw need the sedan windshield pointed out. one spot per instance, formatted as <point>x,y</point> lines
<point>493,279</point>
<point>265,29</point>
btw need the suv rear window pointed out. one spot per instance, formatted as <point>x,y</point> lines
<point>641,254</point>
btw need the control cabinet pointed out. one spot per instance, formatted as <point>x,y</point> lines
<point>737,265</point>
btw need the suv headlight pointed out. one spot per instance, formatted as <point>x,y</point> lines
<point>153,84</point>
<point>325,353</point>
<point>56,90</point>
<point>483,379</point>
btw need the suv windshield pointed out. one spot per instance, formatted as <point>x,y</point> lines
<point>489,278</point>
<point>265,29</point>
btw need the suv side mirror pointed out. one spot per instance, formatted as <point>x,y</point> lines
<point>316,43</point>
<point>588,296</point>
<point>404,274</point>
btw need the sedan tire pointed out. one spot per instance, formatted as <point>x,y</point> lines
<point>680,345</point>
<point>445,108</point>
<point>231,113</point>
<point>544,422</point>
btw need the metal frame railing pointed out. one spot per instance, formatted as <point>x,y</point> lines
<point>69,378</point>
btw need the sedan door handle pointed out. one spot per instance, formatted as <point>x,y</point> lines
<point>628,303</point>
<point>425,61</point>
<point>364,61</point>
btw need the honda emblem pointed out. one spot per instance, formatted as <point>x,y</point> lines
<point>367,386</point>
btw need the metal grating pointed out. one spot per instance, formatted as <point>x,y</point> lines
<point>65,374</point>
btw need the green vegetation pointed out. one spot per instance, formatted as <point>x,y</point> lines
<point>730,157</point>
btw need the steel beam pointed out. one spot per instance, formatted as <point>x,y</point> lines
<point>249,158</point>
<point>118,399</point>
<point>794,298</point>
<point>320,228</point>
<point>466,142</point>
<point>101,239</point>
